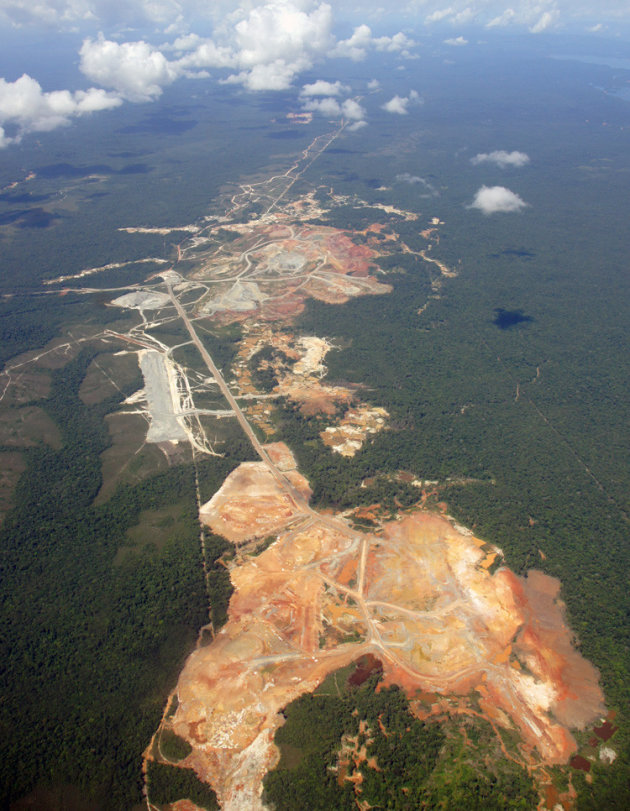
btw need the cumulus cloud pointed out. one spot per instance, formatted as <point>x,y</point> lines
<point>357,46</point>
<point>373,85</point>
<point>135,70</point>
<point>323,88</point>
<point>352,110</point>
<point>501,158</point>
<point>175,15</point>
<point>280,39</point>
<point>546,20</point>
<point>497,199</point>
<point>454,15</point>
<point>349,109</point>
<point>269,44</point>
<point>399,104</point>
<point>456,41</point>
<point>24,107</point>
<point>537,15</point>
<point>505,18</point>
<point>439,14</point>
<point>328,107</point>
<point>261,44</point>
<point>195,52</point>
<point>120,13</point>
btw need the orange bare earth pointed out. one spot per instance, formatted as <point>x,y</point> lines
<point>271,269</point>
<point>416,596</point>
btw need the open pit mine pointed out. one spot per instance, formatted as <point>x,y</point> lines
<point>416,592</point>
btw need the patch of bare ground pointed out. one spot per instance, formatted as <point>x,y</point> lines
<point>271,269</point>
<point>299,369</point>
<point>250,504</point>
<point>353,754</point>
<point>183,805</point>
<point>348,436</point>
<point>416,595</point>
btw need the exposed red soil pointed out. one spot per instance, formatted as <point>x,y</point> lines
<point>545,646</point>
<point>581,763</point>
<point>366,666</point>
<point>605,731</point>
<point>185,805</point>
<point>250,504</point>
<point>415,597</point>
<point>336,268</point>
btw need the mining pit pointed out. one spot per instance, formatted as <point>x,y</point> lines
<point>415,594</point>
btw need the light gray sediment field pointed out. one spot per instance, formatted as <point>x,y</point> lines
<point>164,424</point>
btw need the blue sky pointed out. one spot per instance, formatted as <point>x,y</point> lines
<point>128,51</point>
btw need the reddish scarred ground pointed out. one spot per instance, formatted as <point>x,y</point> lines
<point>335,270</point>
<point>422,604</point>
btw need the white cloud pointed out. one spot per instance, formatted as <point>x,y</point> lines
<point>328,107</point>
<point>398,43</point>
<point>399,104</point>
<point>373,85</point>
<point>24,107</point>
<point>275,75</point>
<point>536,15</point>
<point>349,109</point>
<point>501,158</point>
<point>497,199</point>
<point>545,21</point>
<point>508,16</point>
<point>439,14</point>
<point>260,44</point>
<point>352,110</point>
<point>135,70</point>
<point>324,88</point>
<point>357,46</point>
<point>271,43</point>
<point>407,177</point>
<point>281,34</point>
<point>202,53</point>
<point>452,15</point>
<point>176,15</point>
<point>265,45</point>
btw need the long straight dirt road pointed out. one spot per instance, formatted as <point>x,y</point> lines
<point>284,483</point>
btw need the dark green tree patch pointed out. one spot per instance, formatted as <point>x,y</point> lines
<point>167,784</point>
<point>172,746</point>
